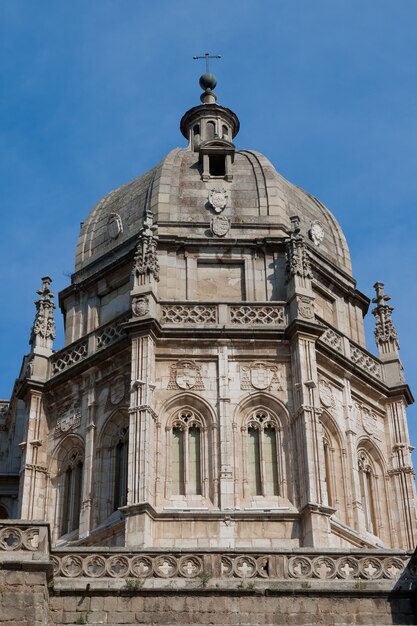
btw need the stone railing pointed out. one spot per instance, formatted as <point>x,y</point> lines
<point>366,361</point>
<point>110,333</point>
<point>333,339</point>
<point>67,357</point>
<point>23,541</point>
<point>189,314</point>
<point>257,314</point>
<point>239,565</point>
<point>91,343</point>
<point>360,357</point>
<point>224,314</point>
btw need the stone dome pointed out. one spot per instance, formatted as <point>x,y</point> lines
<point>258,197</point>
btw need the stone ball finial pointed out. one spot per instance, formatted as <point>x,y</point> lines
<point>208,81</point>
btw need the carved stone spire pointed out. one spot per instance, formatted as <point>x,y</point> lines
<point>146,260</point>
<point>298,262</point>
<point>385,333</point>
<point>43,329</point>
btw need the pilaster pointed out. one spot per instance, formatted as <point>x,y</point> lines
<point>90,434</point>
<point>226,488</point>
<point>303,333</point>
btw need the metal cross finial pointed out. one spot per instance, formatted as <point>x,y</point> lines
<point>207,56</point>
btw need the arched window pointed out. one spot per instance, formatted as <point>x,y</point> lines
<point>368,491</point>
<point>111,469</point>
<point>72,471</point>
<point>225,132</point>
<point>263,444</point>
<point>186,453</point>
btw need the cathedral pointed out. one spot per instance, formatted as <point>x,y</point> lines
<point>215,416</point>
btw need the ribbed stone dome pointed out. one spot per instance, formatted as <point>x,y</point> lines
<point>258,198</point>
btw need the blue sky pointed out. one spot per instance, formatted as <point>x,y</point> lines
<point>92,93</point>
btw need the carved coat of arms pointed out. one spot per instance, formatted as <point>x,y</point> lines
<point>69,417</point>
<point>114,225</point>
<point>326,394</point>
<point>261,376</point>
<point>316,232</point>
<point>220,225</point>
<point>218,198</point>
<point>185,375</point>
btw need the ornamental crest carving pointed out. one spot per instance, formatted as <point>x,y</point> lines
<point>117,390</point>
<point>305,307</point>
<point>261,376</point>
<point>69,417</point>
<point>316,232</point>
<point>114,225</point>
<point>185,375</point>
<point>140,306</point>
<point>220,225</point>
<point>326,394</point>
<point>218,198</point>
<point>366,418</point>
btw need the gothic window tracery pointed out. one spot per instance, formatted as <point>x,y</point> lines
<point>187,429</point>
<point>111,469</point>
<point>368,490</point>
<point>263,442</point>
<point>72,472</point>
